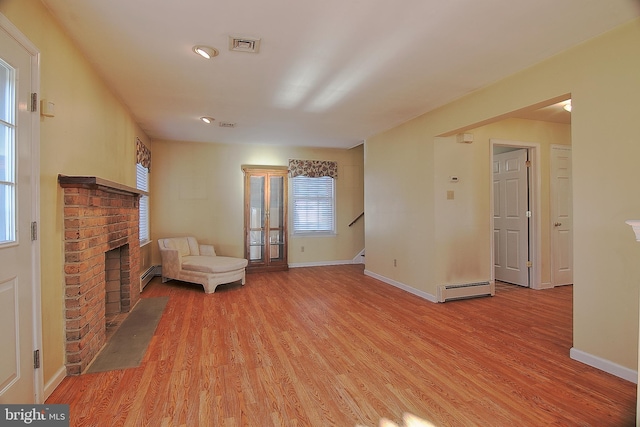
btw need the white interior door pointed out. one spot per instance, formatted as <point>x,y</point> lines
<point>561,216</point>
<point>510,217</point>
<point>18,290</point>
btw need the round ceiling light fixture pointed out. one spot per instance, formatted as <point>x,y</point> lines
<point>207,120</point>
<point>205,51</point>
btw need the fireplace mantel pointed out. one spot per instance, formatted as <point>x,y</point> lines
<point>93,182</point>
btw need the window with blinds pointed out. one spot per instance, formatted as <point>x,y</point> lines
<point>313,205</point>
<point>142,183</point>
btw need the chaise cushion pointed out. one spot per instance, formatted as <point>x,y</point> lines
<point>181,244</point>
<point>217,264</point>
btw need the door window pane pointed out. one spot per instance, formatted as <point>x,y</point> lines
<point>276,205</point>
<point>7,90</point>
<point>256,219</point>
<point>7,154</point>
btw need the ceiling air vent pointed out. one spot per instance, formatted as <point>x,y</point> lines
<point>226,124</point>
<point>244,44</point>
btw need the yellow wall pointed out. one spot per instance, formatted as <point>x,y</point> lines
<point>92,133</point>
<point>197,189</point>
<point>399,194</point>
<point>457,245</point>
<point>404,217</point>
<point>463,224</point>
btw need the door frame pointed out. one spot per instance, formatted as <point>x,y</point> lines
<point>535,225</point>
<point>28,46</point>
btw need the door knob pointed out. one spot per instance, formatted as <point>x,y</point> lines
<point>558,224</point>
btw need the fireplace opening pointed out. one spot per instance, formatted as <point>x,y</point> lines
<point>112,283</point>
<point>113,313</point>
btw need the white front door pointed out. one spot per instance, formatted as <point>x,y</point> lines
<point>561,216</point>
<point>19,284</point>
<point>510,217</point>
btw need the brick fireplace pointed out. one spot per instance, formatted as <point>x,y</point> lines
<point>102,261</point>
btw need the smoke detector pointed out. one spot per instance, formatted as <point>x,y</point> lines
<point>244,44</point>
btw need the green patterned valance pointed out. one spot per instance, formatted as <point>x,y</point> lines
<point>313,168</point>
<point>143,154</point>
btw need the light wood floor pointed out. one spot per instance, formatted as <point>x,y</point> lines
<point>329,346</point>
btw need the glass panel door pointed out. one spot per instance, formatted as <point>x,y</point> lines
<point>276,218</point>
<point>256,218</point>
<point>265,218</point>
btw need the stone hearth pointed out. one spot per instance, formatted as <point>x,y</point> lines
<point>99,217</point>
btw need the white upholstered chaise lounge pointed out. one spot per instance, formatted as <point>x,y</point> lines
<point>183,258</point>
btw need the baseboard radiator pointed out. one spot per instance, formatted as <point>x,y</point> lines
<point>151,272</point>
<point>466,290</point>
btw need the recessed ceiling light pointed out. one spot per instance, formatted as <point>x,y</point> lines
<point>205,51</point>
<point>207,120</point>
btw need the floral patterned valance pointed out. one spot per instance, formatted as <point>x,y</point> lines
<point>313,168</point>
<point>143,154</point>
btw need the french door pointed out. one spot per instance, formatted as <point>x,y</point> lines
<point>20,375</point>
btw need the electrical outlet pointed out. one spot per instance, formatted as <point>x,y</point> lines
<point>395,262</point>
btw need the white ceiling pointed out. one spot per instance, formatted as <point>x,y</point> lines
<point>329,73</point>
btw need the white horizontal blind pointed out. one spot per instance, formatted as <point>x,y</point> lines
<point>142,183</point>
<point>313,202</point>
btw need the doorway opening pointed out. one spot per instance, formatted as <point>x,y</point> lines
<point>515,215</point>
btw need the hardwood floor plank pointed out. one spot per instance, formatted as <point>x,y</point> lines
<point>328,346</point>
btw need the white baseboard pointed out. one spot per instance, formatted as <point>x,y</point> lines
<point>546,285</point>
<point>150,273</point>
<point>402,286</point>
<point>319,263</point>
<point>54,382</point>
<point>604,365</point>
<point>359,259</point>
